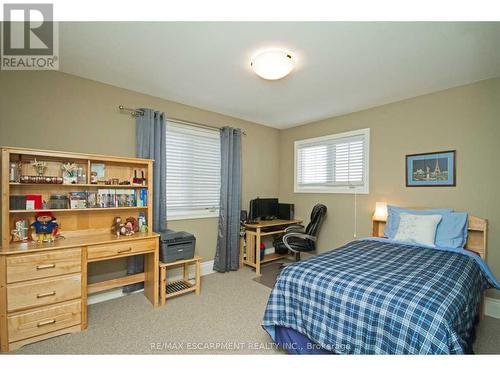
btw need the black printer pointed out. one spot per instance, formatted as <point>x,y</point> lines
<point>176,245</point>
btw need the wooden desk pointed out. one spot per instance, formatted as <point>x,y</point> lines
<point>253,234</point>
<point>43,287</point>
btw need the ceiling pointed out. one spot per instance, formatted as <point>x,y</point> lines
<point>341,67</point>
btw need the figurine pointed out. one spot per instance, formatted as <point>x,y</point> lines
<point>21,231</point>
<point>22,228</point>
<point>46,226</point>
<point>14,236</point>
<point>93,177</point>
<point>40,167</point>
<point>117,225</point>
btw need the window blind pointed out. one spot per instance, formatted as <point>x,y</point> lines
<point>193,171</point>
<point>336,161</point>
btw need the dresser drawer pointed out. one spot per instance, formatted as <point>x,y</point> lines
<point>44,320</point>
<point>43,292</point>
<point>122,248</point>
<point>45,264</point>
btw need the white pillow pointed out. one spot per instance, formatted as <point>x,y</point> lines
<point>417,229</point>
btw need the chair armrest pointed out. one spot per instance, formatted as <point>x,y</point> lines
<point>296,235</point>
<point>296,228</point>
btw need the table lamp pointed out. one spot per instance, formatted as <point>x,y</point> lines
<point>380,211</point>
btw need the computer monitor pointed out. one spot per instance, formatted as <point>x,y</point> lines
<point>264,208</point>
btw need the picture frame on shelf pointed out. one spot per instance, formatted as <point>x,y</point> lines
<point>99,170</point>
<point>69,173</point>
<point>21,231</point>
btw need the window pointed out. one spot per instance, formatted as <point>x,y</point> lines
<point>335,163</point>
<point>193,171</point>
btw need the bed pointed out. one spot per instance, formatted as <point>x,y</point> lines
<point>377,296</point>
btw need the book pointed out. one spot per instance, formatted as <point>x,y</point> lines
<point>92,199</point>
<point>78,199</point>
<point>115,198</point>
<point>142,200</point>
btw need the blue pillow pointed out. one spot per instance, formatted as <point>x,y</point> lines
<point>393,212</point>
<point>452,230</point>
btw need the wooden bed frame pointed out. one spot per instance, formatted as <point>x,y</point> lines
<point>477,233</point>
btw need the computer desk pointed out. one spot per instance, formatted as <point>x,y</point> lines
<point>253,235</point>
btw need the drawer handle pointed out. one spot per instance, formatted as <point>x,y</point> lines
<point>45,266</point>
<point>49,294</point>
<point>46,323</point>
<point>124,250</point>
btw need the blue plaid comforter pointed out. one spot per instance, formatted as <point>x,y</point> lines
<point>371,297</point>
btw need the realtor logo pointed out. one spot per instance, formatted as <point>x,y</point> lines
<point>29,37</point>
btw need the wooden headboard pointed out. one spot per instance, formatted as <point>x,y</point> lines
<point>476,234</point>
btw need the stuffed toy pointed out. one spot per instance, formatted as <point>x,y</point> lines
<point>132,223</point>
<point>126,230</point>
<point>130,226</point>
<point>46,226</point>
<point>117,225</point>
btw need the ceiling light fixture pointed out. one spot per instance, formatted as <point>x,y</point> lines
<point>272,64</point>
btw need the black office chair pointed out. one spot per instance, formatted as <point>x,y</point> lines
<point>297,238</point>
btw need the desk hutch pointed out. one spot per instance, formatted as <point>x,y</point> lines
<point>43,286</point>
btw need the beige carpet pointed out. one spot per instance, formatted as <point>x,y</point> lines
<point>224,319</point>
<point>269,273</point>
<point>228,313</point>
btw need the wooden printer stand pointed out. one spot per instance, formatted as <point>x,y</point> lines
<point>183,286</point>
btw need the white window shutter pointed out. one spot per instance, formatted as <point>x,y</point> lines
<point>334,163</point>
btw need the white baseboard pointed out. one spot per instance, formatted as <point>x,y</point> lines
<point>109,295</point>
<point>492,307</point>
<point>206,268</point>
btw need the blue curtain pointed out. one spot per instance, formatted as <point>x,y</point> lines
<point>227,253</point>
<point>151,143</point>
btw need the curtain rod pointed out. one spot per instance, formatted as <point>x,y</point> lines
<point>138,112</point>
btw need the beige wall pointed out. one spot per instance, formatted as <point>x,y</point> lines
<point>53,110</point>
<point>466,119</point>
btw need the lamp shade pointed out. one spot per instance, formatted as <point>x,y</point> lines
<point>380,211</point>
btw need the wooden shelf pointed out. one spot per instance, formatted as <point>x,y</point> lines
<point>179,287</point>
<point>82,185</point>
<point>271,257</point>
<point>115,283</point>
<point>78,209</point>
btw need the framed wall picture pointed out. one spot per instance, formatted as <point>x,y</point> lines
<point>431,169</point>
